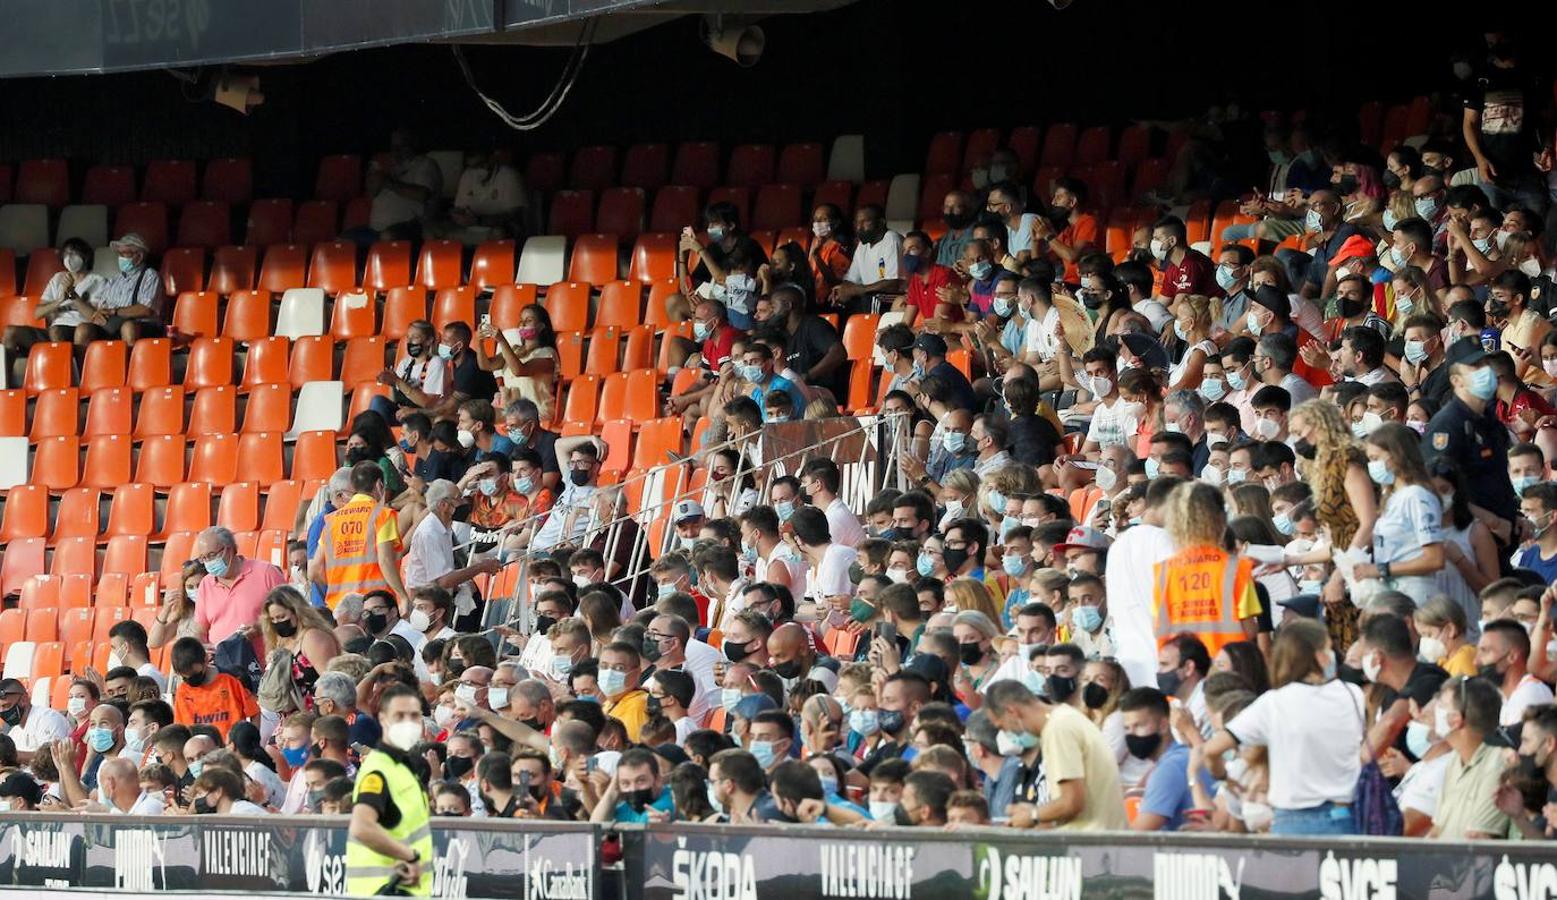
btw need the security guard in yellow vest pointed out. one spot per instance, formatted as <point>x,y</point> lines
<point>389,842</point>
<point>359,550</point>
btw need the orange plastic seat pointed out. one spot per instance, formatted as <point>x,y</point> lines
<point>439,265</point>
<point>74,556</point>
<point>313,359</point>
<point>654,258</point>
<point>132,510</point>
<point>638,351</point>
<point>572,213</point>
<point>333,267</point>
<point>402,306</point>
<point>455,304</point>
<point>388,266</point>
<point>25,513</point>
<point>944,154</point>
<point>545,172</point>
<point>861,373</point>
<point>508,301</point>
<point>248,316</point>
<point>582,399</point>
<point>681,330</point>
<point>594,259</point>
<point>151,364</point>
<point>629,395</point>
<point>48,660</point>
<point>270,222</point>
<point>617,435</point>
<point>210,363</point>
<point>178,550</point>
<point>232,270</point>
<point>48,366</point>
<point>267,362</point>
<point>696,163</point>
<point>55,462</point>
<point>149,220</point>
<point>77,516</point>
<point>657,439</point>
<point>646,165</point>
<point>206,223</point>
<point>593,167</point>
<point>269,408</point>
<point>285,267</point>
<point>75,625</point>
<point>183,269</point>
<point>7,272</point>
<point>145,592</point>
<point>194,313</point>
<point>13,413</point>
<point>675,207</point>
<point>314,456</point>
<point>109,616</point>
<point>740,197</point>
<point>170,181</point>
<point>859,336</point>
<point>126,555</point>
<point>42,265</point>
<point>16,310</point>
<point>107,462</point>
<point>605,345</point>
<point>262,458</point>
<point>620,306</point>
<point>238,509</point>
<point>56,413</point>
<point>317,221</point>
<point>493,264</point>
<point>621,211</point>
<point>215,460</point>
<point>803,164</point>
<point>22,560</point>
<point>161,461</point>
<point>362,361</point>
<point>161,412</point>
<point>362,397</point>
<point>339,177</point>
<point>41,624</point>
<point>358,211</point>
<point>230,180</point>
<point>109,411</point>
<point>108,186</point>
<point>188,510</point>
<point>103,365</point>
<point>281,504</point>
<point>836,193</point>
<point>13,626</point>
<point>567,303</point>
<point>570,355</point>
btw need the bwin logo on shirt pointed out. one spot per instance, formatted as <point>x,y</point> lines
<point>1524,881</point>
<point>1195,876</point>
<point>1357,879</point>
<point>1026,877</point>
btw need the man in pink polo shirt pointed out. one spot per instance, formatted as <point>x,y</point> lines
<point>233,590</point>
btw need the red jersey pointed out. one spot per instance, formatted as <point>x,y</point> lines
<point>921,290</point>
<point>1194,274</point>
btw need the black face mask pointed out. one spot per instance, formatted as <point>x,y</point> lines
<point>901,817</point>
<point>534,724</point>
<point>735,651</point>
<point>16,714</point>
<point>956,221</point>
<point>457,767</point>
<point>538,792</point>
<point>640,799</point>
<point>1347,184</point>
<point>1490,672</point>
<point>1142,746</point>
<point>969,653</point>
<point>891,720</point>
<point>1304,448</point>
<point>1061,687</point>
<point>1348,308</point>
<point>790,669</point>
<point>651,649</point>
<point>1093,695</point>
<point>543,624</point>
<point>284,629</point>
<point>1168,682</point>
<point>453,669</point>
<point>654,706</point>
<point>203,807</point>
<point>1091,299</point>
<point>359,454</point>
<point>316,750</point>
<point>375,622</point>
<point>1391,180</point>
<point>579,477</point>
<point>414,350</point>
<point>1497,310</point>
<point>954,559</point>
<point>196,679</point>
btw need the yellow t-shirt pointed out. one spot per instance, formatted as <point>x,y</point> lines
<point>1074,748</point>
<point>633,709</point>
<point>1460,663</point>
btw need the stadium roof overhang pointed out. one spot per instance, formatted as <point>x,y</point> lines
<point>78,37</point>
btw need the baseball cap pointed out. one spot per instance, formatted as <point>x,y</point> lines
<point>1467,351</point>
<point>1356,247</point>
<point>131,241</point>
<point>687,509</point>
<point>1084,538</point>
<point>933,344</point>
<point>20,784</point>
<point>1273,299</point>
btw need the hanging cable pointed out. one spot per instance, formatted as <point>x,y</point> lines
<point>559,92</point>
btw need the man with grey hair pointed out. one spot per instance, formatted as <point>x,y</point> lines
<point>348,612</point>
<point>1185,412</point>
<point>335,494</point>
<point>335,694</point>
<point>526,430</point>
<point>431,557</point>
<point>665,645</point>
<point>233,590</point>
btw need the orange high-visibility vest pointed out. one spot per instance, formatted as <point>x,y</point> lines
<point>350,545</point>
<point>1197,591</point>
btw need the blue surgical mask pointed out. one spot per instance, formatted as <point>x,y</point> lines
<point>1213,389</point>
<point>665,590</point>
<point>126,265</point>
<point>216,567</point>
<point>1484,383</point>
<point>700,330</point>
<point>997,500</point>
<point>864,722</point>
<point>1416,351</point>
<point>981,270</point>
<point>100,739</point>
<point>1313,221</point>
<point>612,682</point>
<point>1418,738</point>
<point>716,233</point>
<point>924,564</point>
<point>1020,739</point>
<point>1001,306</point>
<point>829,785</point>
<point>752,373</point>
<point>1180,330</point>
<point>1283,523</point>
<point>1379,471</point>
<point>1426,207</point>
<point>1236,381</point>
<point>763,751</point>
<point>445,351</point>
<point>1153,468</point>
<point>1523,482</point>
<point>1225,279</point>
<point>525,485</point>
<point>729,697</point>
<point>785,509</point>
<point>406,446</point>
<point>954,441</point>
<point>1014,564</point>
<point>296,757</point>
<point>488,486</point>
<point>1087,618</point>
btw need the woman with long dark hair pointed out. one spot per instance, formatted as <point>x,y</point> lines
<point>530,369</point>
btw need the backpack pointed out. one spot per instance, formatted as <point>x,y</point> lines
<point>278,693</point>
<point>1374,810</point>
<point>235,656</point>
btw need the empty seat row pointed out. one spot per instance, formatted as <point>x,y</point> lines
<point>166,460</point>
<point>171,181</point>
<point>317,406</point>
<point>135,509</point>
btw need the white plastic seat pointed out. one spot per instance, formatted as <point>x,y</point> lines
<point>318,408</point>
<point>89,223</point>
<point>847,160</point>
<point>302,313</point>
<point>18,660</point>
<point>105,261</point>
<point>902,201</point>
<point>543,260</point>
<point>24,227</point>
<point>13,462</point>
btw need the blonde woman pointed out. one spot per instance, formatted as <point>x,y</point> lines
<point>288,622</point>
<point>1202,588</point>
<point>972,594</point>
<point>959,495</point>
<point>1442,626</point>
<point>1412,296</point>
<point>1336,469</point>
<point>1192,326</point>
<point>975,633</point>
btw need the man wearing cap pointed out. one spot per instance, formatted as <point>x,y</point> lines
<point>21,792</point>
<point>930,359</point>
<point>130,305</point>
<point>1467,432</point>
<point>29,727</point>
<point>688,516</point>
<point>1084,550</point>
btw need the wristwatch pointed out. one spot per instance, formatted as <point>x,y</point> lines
<point>416,856</point>
<point>1384,571</point>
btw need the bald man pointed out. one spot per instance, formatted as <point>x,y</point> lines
<point>121,787</point>
<point>791,654</point>
<point>671,636</point>
<point>104,740</point>
<point>195,750</point>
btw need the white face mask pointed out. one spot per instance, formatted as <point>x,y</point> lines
<point>1106,478</point>
<point>1266,429</point>
<point>73,263</point>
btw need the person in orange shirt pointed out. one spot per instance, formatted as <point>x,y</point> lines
<point>1079,234</point>
<point>832,248</point>
<point>205,696</point>
<point>1203,589</point>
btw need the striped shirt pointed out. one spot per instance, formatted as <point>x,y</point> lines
<point>142,286</point>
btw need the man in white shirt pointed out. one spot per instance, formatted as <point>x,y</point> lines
<point>669,636</point>
<point>127,644</point>
<point>489,197</point>
<point>1504,646</point>
<point>820,480</point>
<point>874,269</point>
<point>569,519</point>
<point>29,727</point>
<point>829,576</point>
<point>430,560</point>
<point>1129,582</point>
<point>119,783</point>
<point>405,191</point>
<point>770,558</point>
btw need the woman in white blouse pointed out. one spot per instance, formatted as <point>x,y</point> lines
<point>1192,327</point>
<point>65,303</point>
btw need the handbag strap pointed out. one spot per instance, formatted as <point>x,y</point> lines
<point>1363,716</point>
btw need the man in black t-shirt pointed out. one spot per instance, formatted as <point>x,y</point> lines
<point>1501,129</point>
<point>812,348</point>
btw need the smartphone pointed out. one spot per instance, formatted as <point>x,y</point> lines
<point>524,782</point>
<point>1087,464</point>
<point>591,764</point>
<point>888,631</point>
<point>486,319</point>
